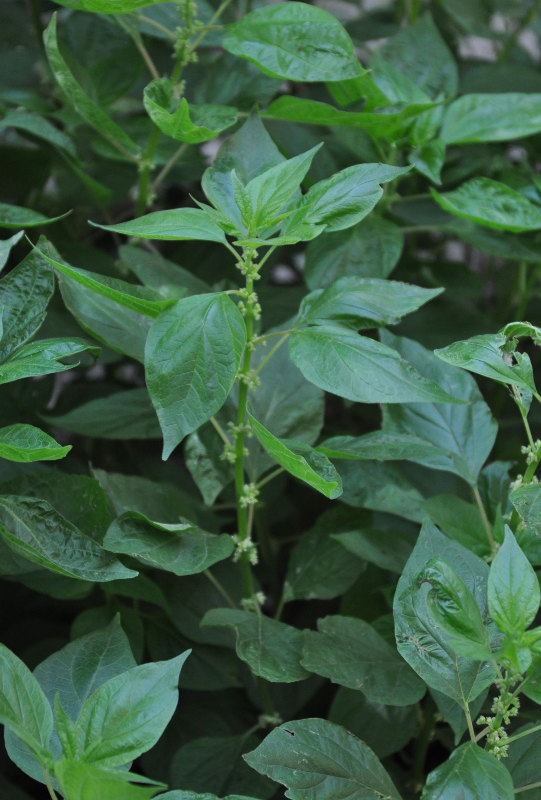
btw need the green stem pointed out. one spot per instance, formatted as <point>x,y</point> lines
<point>526,20</point>
<point>529,786</point>
<point>144,175</point>
<point>484,517</point>
<point>280,608</point>
<point>270,477</point>
<point>219,11</point>
<point>146,56</point>
<point>48,784</point>
<point>242,512</point>
<point>168,167</point>
<point>158,26</point>
<point>220,588</point>
<point>220,431</point>
<point>469,722</point>
<point>524,733</point>
<point>272,351</point>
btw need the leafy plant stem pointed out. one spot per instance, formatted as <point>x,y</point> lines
<point>484,517</point>
<point>469,722</point>
<point>220,588</point>
<point>146,56</point>
<point>164,172</point>
<point>529,786</point>
<point>271,352</point>
<point>217,14</point>
<point>158,26</point>
<point>220,431</point>
<point>143,198</point>
<point>48,784</point>
<point>270,477</point>
<point>524,733</point>
<point>281,604</point>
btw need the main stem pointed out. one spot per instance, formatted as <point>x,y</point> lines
<point>242,511</point>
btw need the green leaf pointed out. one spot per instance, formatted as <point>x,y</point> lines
<point>419,52</point>
<point>215,764</point>
<point>469,772</point>
<point>378,446</point>
<point>107,6</point>
<point>19,217</point>
<point>203,453</point>
<point>122,415</point>
<point>25,443</point>
<point>42,358</point>
<point>34,529</point>
<point>527,501</point>
<point>176,224</point>
<point>181,548</point>
<point>318,567</point>
<point>492,117</point>
<point>80,100</point>
<point>300,460</point>
<point>426,647</point>
<point>491,203</point>
<point>344,199</point>
<point>485,355</point>
<point>125,294</point>
<point>513,588</point>
<point>294,41</point>
<point>463,434</point>
<point>460,521</point>
<point>342,362</point>
<point>351,653</point>
<point>82,781</point>
<point>428,159</point>
<point>180,794</point>
<point>271,649</point>
<point>192,355</point>
<point>370,249</point>
<point>72,674</point>
<point>318,760</point>
<point>385,124</point>
<point>127,715</point>
<point>363,302</point>
<point>160,274</point>
<point>24,295</point>
<point>181,121</point>
<point>454,609</point>
<point>24,709</point>
<point>388,549</point>
<point>380,487</point>
<point>5,247</point>
<point>30,122</point>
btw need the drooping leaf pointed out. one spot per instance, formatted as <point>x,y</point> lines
<point>294,41</point>
<point>90,111</point>
<point>126,715</point>
<point>35,124</point>
<point>19,217</point>
<point>6,246</point>
<point>34,529</point>
<point>181,548</point>
<point>272,649</point>
<point>469,772</point>
<point>184,122</point>
<point>42,357</point>
<point>301,460</point>
<point>25,443</point>
<point>491,203</point>
<point>24,295</point>
<point>319,760</point>
<point>121,415</point>
<point>192,355</point>
<point>492,117</point>
<point>513,588</point>
<point>363,302</point>
<point>464,434</point>
<point>378,446</point>
<point>351,653</point>
<point>174,225</point>
<point>82,781</point>
<point>358,368</point>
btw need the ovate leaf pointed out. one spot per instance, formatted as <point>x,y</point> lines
<point>492,117</point>
<point>181,548</point>
<point>34,529</point>
<point>318,760</point>
<point>192,355</point>
<point>491,203</point>
<point>271,649</point>
<point>351,653</point>
<point>300,460</point>
<point>42,358</point>
<point>19,217</point>
<point>513,588</point>
<point>469,772</point>
<point>358,368</point>
<point>25,443</point>
<point>127,715</point>
<point>294,41</point>
<point>175,224</point>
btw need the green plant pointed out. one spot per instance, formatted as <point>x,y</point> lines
<point>260,491</point>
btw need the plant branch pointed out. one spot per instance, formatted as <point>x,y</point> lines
<point>168,167</point>
<point>270,477</point>
<point>271,352</point>
<point>220,431</point>
<point>220,588</point>
<point>49,785</point>
<point>484,517</point>
<point>146,166</point>
<point>529,786</point>
<point>469,721</point>
<point>524,733</point>
<point>158,26</point>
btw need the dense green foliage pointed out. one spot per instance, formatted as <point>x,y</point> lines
<point>267,272</point>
